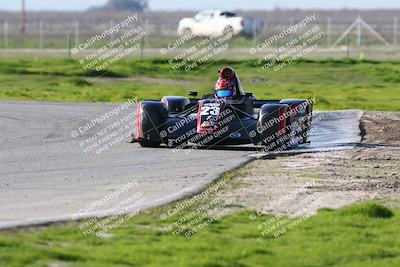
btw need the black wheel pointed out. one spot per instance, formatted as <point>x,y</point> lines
<point>271,127</point>
<point>228,29</point>
<point>301,117</point>
<point>151,117</point>
<point>149,144</point>
<point>187,31</point>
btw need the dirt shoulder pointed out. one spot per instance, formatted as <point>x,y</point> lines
<point>381,128</point>
<point>302,184</point>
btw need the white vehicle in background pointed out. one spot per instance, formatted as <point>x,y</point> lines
<point>215,22</point>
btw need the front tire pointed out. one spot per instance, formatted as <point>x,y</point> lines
<point>151,117</point>
<point>149,144</point>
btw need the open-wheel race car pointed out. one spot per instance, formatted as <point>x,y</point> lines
<point>229,116</point>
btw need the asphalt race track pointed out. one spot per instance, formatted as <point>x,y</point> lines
<point>46,175</point>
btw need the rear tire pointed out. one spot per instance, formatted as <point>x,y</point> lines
<point>303,115</point>
<point>271,127</point>
<point>227,29</point>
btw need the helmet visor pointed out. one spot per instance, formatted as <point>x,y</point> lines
<point>224,93</point>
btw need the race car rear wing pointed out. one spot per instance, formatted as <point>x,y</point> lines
<point>256,103</point>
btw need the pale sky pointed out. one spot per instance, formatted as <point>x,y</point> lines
<point>207,4</point>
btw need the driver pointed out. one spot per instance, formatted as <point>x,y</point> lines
<point>228,85</point>
<point>224,88</point>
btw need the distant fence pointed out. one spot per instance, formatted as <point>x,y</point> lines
<point>49,32</point>
<point>369,53</point>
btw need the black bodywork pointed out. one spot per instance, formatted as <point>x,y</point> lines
<point>180,121</point>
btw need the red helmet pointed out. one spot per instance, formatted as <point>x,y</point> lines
<point>224,88</point>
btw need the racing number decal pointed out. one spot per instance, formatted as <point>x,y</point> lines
<point>213,111</point>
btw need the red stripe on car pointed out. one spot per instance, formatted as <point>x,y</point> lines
<point>138,119</point>
<point>199,130</point>
<point>282,123</point>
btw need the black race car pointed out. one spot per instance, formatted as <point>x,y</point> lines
<point>228,117</point>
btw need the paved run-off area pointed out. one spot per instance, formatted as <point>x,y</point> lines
<point>48,175</point>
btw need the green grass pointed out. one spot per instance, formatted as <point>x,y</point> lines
<point>365,234</point>
<point>336,84</point>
